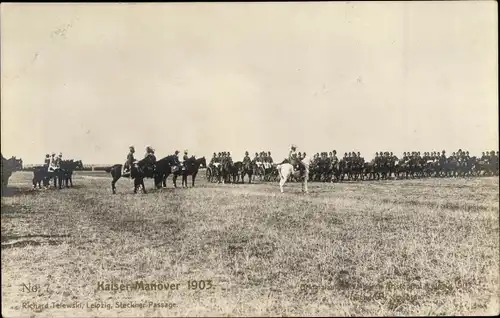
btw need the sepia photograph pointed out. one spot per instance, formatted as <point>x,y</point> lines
<point>245,159</point>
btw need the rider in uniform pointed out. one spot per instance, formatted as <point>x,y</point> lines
<point>46,162</point>
<point>52,162</point>
<point>295,158</point>
<point>58,161</point>
<point>334,157</point>
<point>130,160</point>
<point>269,158</point>
<point>246,159</point>
<point>213,160</point>
<point>150,152</point>
<point>184,159</point>
<point>176,158</point>
<point>256,158</point>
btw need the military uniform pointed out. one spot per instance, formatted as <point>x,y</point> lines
<point>52,162</point>
<point>130,161</point>
<point>47,161</point>
<point>246,159</point>
<point>213,160</point>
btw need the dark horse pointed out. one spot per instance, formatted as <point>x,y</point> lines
<point>66,171</point>
<point>247,168</point>
<point>9,166</point>
<point>191,167</point>
<point>142,169</point>
<point>164,169</point>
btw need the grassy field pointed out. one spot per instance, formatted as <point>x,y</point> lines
<point>415,247</point>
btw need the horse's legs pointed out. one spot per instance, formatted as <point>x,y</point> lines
<point>174,180</point>
<point>282,182</point>
<point>193,177</point>
<point>143,186</point>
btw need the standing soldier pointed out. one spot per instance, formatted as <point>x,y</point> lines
<point>269,157</point>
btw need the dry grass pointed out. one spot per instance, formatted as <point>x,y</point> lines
<point>422,247</point>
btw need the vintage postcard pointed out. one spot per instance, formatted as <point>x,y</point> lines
<point>250,159</point>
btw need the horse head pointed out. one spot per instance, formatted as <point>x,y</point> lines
<point>78,164</point>
<point>202,162</point>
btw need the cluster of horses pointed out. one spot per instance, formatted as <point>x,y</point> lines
<point>8,167</point>
<point>158,171</point>
<point>325,169</point>
<point>62,175</point>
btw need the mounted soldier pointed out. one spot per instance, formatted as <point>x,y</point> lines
<point>184,159</point>
<point>269,158</point>
<point>246,159</point>
<point>150,152</point>
<point>213,160</point>
<point>52,163</point>
<point>58,161</point>
<point>130,160</point>
<point>296,159</point>
<point>176,158</point>
<point>46,162</point>
<point>334,157</point>
<point>256,158</point>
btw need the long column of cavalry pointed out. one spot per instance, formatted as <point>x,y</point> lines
<point>327,167</point>
<point>324,167</point>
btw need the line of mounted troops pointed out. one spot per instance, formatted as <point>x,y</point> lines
<point>355,157</point>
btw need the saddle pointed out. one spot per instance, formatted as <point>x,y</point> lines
<point>175,168</point>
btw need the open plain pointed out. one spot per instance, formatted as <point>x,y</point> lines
<point>405,247</point>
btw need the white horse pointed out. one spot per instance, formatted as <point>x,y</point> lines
<point>286,170</point>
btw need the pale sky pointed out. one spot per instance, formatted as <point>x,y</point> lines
<point>90,79</point>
